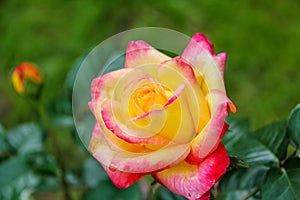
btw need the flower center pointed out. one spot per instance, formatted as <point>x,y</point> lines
<point>149,95</point>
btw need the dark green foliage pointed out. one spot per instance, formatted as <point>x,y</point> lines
<point>274,165</point>
<point>26,139</point>
<point>294,126</point>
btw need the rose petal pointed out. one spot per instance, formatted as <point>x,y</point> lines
<point>112,86</point>
<point>221,59</point>
<point>120,179</point>
<point>139,53</point>
<point>182,67</point>
<point>194,159</point>
<point>208,139</point>
<point>199,54</point>
<point>147,136</point>
<point>206,196</point>
<point>194,181</point>
<point>112,154</point>
<point>176,71</point>
<point>203,42</point>
<point>104,87</point>
<point>206,44</point>
<point>150,162</point>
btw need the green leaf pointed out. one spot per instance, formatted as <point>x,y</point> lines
<point>16,179</point>
<point>62,121</point>
<point>72,179</point>
<point>26,138</point>
<point>4,146</point>
<point>292,163</point>
<point>165,194</point>
<point>237,184</point>
<point>44,165</point>
<point>237,129</point>
<point>266,146</point>
<point>11,170</point>
<point>273,137</point>
<point>282,184</point>
<point>254,152</point>
<point>93,173</point>
<point>48,184</point>
<point>294,126</point>
<point>106,190</point>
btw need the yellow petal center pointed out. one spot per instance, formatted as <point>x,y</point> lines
<point>147,96</point>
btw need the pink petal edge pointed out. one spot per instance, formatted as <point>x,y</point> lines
<point>195,181</point>
<point>200,43</point>
<point>140,53</point>
<point>221,59</point>
<point>183,66</point>
<point>119,178</point>
<point>208,139</point>
<point>203,41</point>
<point>122,179</point>
<point>116,158</point>
<point>113,126</point>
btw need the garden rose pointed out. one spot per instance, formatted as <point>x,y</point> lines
<point>163,116</point>
<point>25,71</point>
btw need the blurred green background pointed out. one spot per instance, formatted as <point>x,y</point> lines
<point>261,38</point>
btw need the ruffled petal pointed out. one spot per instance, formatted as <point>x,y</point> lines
<point>103,87</point>
<point>194,181</point>
<point>168,124</point>
<point>200,54</point>
<point>152,161</point>
<point>113,154</point>
<point>204,42</point>
<point>120,179</point>
<point>140,53</point>
<point>137,136</point>
<point>181,67</point>
<point>176,71</point>
<point>209,138</point>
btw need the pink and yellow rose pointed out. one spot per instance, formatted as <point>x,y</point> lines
<point>163,116</point>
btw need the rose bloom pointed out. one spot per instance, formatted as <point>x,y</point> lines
<point>163,116</point>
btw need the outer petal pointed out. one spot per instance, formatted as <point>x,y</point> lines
<point>103,87</point>
<point>139,53</point>
<point>208,139</point>
<point>194,181</point>
<point>221,59</point>
<point>200,39</point>
<point>113,154</point>
<point>199,53</point>
<point>120,179</point>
